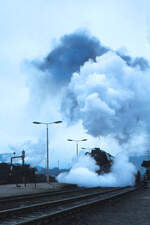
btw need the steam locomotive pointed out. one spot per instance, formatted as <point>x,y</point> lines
<point>103,159</point>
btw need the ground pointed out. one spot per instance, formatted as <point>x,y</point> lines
<point>132,210</point>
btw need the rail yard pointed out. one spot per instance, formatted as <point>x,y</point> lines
<point>57,206</point>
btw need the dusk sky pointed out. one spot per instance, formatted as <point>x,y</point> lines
<point>29,32</point>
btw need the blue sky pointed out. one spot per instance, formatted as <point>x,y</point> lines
<point>28,31</point>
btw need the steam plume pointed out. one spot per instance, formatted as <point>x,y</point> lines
<point>109,97</point>
<point>83,173</point>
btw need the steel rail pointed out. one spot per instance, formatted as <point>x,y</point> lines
<point>32,195</point>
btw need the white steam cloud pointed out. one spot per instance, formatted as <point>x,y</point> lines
<point>110,97</point>
<point>83,173</point>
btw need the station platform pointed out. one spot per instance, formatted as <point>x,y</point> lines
<point>12,190</point>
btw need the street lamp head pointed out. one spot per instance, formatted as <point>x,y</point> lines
<point>76,140</point>
<point>46,123</point>
<point>35,122</point>
<point>58,121</point>
<point>84,139</point>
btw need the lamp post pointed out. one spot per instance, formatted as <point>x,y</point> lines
<point>47,123</point>
<point>77,144</point>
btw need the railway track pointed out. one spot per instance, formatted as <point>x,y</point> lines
<point>43,212</point>
<point>25,200</point>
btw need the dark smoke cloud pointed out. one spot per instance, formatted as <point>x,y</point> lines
<point>69,55</point>
<point>140,62</point>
